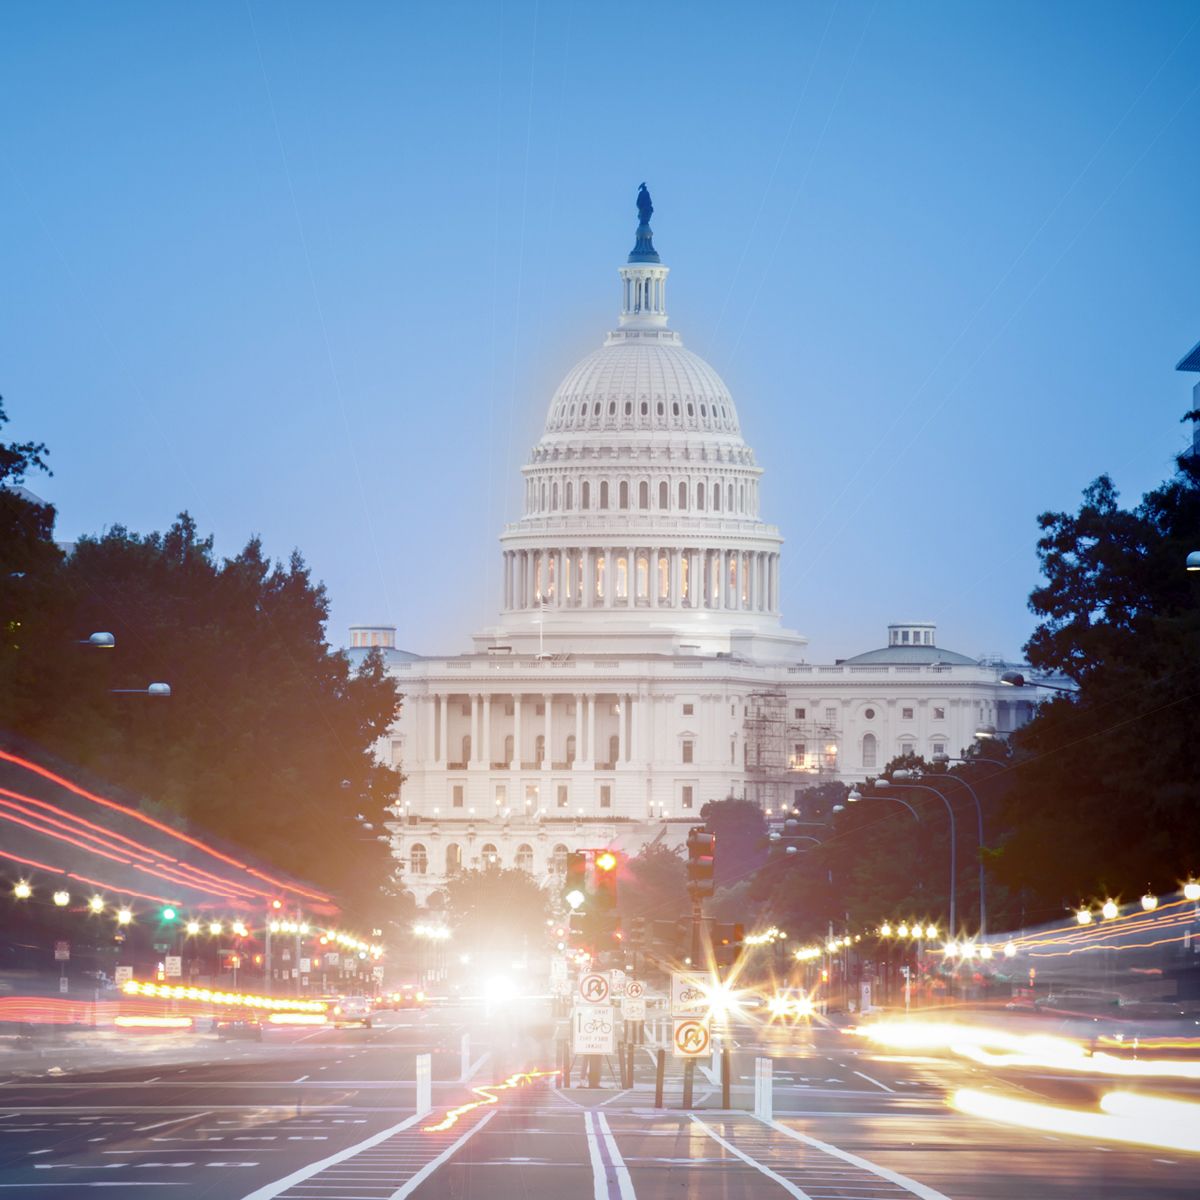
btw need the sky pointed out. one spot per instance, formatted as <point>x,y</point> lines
<point>313,272</point>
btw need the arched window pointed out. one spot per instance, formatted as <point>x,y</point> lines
<point>682,495</point>
<point>645,408</point>
<point>870,750</point>
<point>700,496</point>
<point>716,496</point>
<point>508,748</point>
<point>614,748</point>
<point>604,493</point>
<point>729,498</point>
<point>466,748</point>
<point>628,408</point>
<point>453,858</point>
<point>570,748</point>
<point>675,409</point>
<point>623,494</point>
<point>660,408</point>
<point>554,497</point>
<point>643,494</point>
<point>664,577</point>
<point>558,859</point>
<point>907,747</point>
<point>539,749</point>
<point>418,859</point>
<point>741,497</point>
<point>524,860</point>
<point>543,497</point>
<point>596,409</point>
<point>488,856</point>
<point>622,592</point>
<point>664,495</point>
<point>585,494</point>
<point>570,495</point>
<point>643,578</point>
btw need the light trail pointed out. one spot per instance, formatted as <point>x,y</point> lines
<point>1137,1124</point>
<point>489,1097</point>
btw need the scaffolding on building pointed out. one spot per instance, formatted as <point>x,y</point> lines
<point>785,750</point>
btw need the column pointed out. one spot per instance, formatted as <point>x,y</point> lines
<point>560,581</point>
<point>623,704</point>
<point>776,601</point>
<point>589,577</point>
<point>610,577</point>
<point>695,580</point>
<point>445,740</point>
<point>591,724</point>
<point>673,565</point>
<point>474,759</point>
<point>485,736</point>
<point>578,728</point>
<point>431,727</point>
<point>530,579</point>
<point>516,758</point>
<point>635,737</point>
<point>549,704</point>
<point>652,577</point>
<point>753,580</point>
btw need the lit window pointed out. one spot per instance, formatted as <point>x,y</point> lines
<point>687,751</point>
<point>562,797</point>
<point>939,747</point>
<point>686,795</point>
<point>605,795</point>
<point>418,859</point>
<point>524,859</point>
<point>457,800</point>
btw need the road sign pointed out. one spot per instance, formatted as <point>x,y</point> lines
<point>305,966</point>
<point>376,970</point>
<point>558,968</point>
<point>122,975</point>
<point>633,1008</point>
<point>616,983</point>
<point>593,1028</point>
<point>593,989</point>
<point>331,959</point>
<point>690,1038</point>
<point>635,989</point>
<point>173,966</point>
<point>560,987</point>
<point>62,984</point>
<point>62,951</point>
<point>688,993</point>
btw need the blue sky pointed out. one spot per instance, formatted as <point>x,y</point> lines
<point>313,271</point>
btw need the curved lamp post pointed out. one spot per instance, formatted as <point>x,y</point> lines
<point>155,689</point>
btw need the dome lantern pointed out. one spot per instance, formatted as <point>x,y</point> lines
<point>644,280</point>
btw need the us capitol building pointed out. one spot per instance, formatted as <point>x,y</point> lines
<point>640,667</point>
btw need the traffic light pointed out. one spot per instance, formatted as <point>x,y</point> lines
<point>727,940</point>
<point>575,883</point>
<point>169,914</point>
<point>701,848</point>
<point>604,881</point>
<point>637,931</point>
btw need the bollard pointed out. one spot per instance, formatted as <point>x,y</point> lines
<point>726,1075</point>
<point>593,1070</point>
<point>660,1068</point>
<point>424,1084</point>
<point>764,1106</point>
<point>689,1075</point>
<point>466,1057</point>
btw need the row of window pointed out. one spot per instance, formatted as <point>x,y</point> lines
<point>581,413</point>
<point>907,713</point>
<point>545,496</point>
<point>904,746</point>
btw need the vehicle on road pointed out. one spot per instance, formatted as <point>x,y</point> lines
<point>240,1025</point>
<point>407,995</point>
<point>350,1010</point>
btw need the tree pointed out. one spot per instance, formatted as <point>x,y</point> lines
<point>267,738</point>
<point>654,885</point>
<point>1102,796</point>
<point>497,910</point>
<point>741,832</point>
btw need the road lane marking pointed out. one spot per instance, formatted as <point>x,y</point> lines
<point>171,1121</point>
<point>428,1169</point>
<point>875,1082</point>
<point>787,1185</point>
<point>269,1190</point>
<point>901,1181</point>
<point>608,1145</point>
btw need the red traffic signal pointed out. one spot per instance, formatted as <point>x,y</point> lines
<point>701,848</point>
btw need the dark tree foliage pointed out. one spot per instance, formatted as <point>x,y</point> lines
<point>653,884</point>
<point>741,832</point>
<point>1103,798</point>
<point>266,739</point>
<point>500,910</point>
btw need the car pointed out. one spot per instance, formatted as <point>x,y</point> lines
<point>350,1010</point>
<point>244,1025</point>
<point>407,995</point>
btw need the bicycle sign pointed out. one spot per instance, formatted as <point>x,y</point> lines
<point>689,993</point>
<point>593,989</point>
<point>690,1038</point>
<point>593,1028</point>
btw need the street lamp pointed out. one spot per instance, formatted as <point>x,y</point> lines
<point>22,890</point>
<point>101,641</point>
<point>1193,561</point>
<point>1016,679</point>
<point>155,689</point>
<point>62,899</point>
<point>942,759</point>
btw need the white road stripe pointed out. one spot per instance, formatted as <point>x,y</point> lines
<point>909,1185</point>
<point>428,1169</point>
<point>875,1082</point>
<point>268,1190</point>
<point>172,1121</point>
<point>624,1182</point>
<point>787,1185</point>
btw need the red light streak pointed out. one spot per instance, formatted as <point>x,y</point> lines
<point>62,837</point>
<point>489,1097</point>
<point>5,756</point>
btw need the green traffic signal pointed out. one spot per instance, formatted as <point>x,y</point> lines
<point>169,914</point>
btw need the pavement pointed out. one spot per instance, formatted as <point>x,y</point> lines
<point>325,1114</point>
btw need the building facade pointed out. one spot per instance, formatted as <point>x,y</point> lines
<point>639,666</point>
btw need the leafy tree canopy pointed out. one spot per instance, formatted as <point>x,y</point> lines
<point>496,910</point>
<point>654,885</point>
<point>741,832</point>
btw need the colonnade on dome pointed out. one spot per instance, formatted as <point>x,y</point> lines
<point>640,577</point>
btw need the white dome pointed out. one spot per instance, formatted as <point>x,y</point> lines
<point>643,379</point>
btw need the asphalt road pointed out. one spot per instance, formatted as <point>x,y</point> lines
<point>329,1115</point>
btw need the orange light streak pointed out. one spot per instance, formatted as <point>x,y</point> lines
<point>126,1022</point>
<point>489,1097</point>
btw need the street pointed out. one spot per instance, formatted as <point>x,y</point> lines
<point>329,1114</point>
